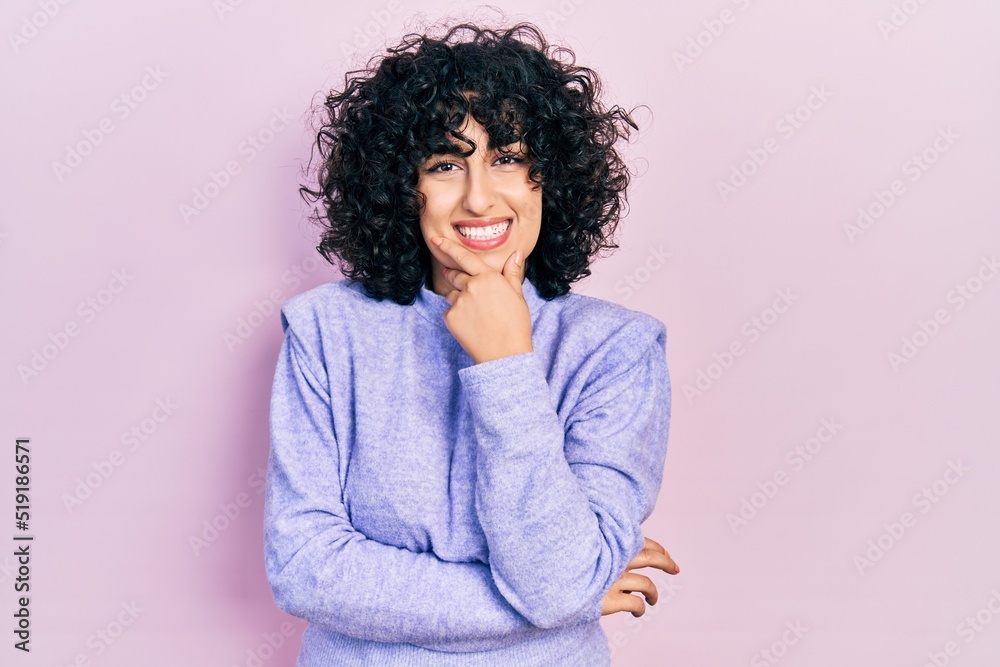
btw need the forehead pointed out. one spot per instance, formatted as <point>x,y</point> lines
<point>506,134</point>
<point>470,103</point>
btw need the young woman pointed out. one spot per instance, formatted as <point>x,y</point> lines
<point>463,450</point>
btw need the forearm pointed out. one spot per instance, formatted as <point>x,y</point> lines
<point>555,559</point>
<point>561,515</point>
<point>343,581</point>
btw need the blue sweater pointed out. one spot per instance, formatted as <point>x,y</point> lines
<point>425,510</point>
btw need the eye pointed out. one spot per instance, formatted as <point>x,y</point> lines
<point>437,167</point>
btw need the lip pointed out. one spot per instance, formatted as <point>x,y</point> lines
<point>476,244</point>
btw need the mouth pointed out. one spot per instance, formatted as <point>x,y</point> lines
<point>484,238</point>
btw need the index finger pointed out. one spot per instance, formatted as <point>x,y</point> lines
<point>467,260</point>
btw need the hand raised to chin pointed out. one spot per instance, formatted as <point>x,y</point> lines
<point>489,316</point>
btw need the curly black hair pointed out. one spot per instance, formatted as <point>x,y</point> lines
<point>403,107</point>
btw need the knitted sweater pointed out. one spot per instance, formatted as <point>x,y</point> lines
<point>421,509</point>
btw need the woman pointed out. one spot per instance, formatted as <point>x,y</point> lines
<point>462,450</point>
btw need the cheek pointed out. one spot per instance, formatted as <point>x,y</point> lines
<point>527,201</point>
<point>436,208</point>
<point>533,208</point>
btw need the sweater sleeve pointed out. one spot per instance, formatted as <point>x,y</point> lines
<point>323,570</point>
<point>561,509</point>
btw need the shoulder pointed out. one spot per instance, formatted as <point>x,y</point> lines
<point>318,323</point>
<point>610,334</point>
<point>605,321</point>
<point>324,325</point>
<point>311,312</point>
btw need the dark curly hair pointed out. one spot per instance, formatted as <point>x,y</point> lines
<point>388,121</point>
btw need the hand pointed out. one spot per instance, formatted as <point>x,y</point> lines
<point>488,316</point>
<point>619,598</point>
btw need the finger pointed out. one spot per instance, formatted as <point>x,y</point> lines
<point>637,583</point>
<point>626,602</point>
<point>666,563</point>
<point>660,561</point>
<point>653,544</point>
<point>455,277</point>
<point>467,260</point>
<point>514,272</point>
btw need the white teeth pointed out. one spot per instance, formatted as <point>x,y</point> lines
<point>484,233</point>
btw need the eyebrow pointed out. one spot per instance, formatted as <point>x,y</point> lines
<point>457,152</point>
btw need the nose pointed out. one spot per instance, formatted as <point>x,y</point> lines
<point>480,190</point>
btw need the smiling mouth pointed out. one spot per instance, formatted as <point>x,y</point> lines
<point>485,233</point>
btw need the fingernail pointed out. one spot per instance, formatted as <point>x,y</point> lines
<point>517,258</point>
<point>437,241</point>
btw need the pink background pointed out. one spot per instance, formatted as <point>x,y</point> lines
<point>710,265</point>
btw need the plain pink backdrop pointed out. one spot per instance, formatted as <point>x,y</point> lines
<point>809,111</point>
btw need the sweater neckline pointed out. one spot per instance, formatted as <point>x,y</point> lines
<point>432,305</point>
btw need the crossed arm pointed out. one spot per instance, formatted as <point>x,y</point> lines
<point>560,509</point>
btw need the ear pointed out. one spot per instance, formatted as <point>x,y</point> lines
<point>514,272</point>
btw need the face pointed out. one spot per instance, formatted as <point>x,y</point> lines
<point>468,191</point>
